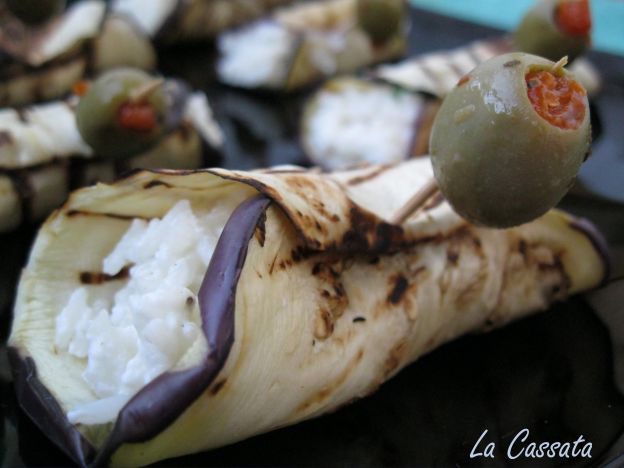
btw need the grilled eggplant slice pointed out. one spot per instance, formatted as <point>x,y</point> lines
<point>176,21</point>
<point>43,63</point>
<point>300,45</point>
<point>43,157</point>
<point>311,299</point>
<point>437,73</point>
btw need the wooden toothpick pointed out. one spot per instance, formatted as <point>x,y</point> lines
<point>143,92</point>
<point>416,202</point>
<point>563,61</point>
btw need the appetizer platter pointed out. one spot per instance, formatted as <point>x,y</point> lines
<point>291,291</point>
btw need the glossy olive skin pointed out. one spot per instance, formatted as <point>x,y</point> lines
<point>381,19</point>
<point>538,34</point>
<point>496,160</point>
<point>96,114</point>
<point>35,11</point>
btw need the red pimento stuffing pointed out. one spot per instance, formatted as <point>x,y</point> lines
<point>137,117</point>
<point>557,99</point>
<point>573,17</point>
<point>463,80</point>
<point>81,87</point>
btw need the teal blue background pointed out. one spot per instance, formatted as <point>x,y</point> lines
<point>607,15</point>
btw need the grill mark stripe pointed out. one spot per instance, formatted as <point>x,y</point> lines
<point>398,290</point>
<point>430,75</point>
<point>456,68</point>
<point>98,277</point>
<point>367,177</point>
<point>73,213</point>
<point>472,53</point>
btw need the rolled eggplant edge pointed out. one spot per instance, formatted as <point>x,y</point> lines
<point>583,256</point>
<point>164,399</point>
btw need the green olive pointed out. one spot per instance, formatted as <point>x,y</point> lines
<point>538,33</point>
<point>381,19</point>
<point>497,160</point>
<point>35,11</point>
<point>103,119</point>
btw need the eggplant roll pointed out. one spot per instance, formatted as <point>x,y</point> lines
<point>43,157</point>
<point>43,63</point>
<point>302,44</point>
<point>174,21</point>
<point>351,121</point>
<point>310,299</point>
<point>436,73</point>
<point>387,116</point>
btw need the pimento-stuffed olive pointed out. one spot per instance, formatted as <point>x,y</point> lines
<point>381,19</point>
<point>555,28</point>
<point>115,119</point>
<point>509,139</point>
<point>35,11</point>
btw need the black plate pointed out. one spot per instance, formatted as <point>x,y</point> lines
<point>559,374</point>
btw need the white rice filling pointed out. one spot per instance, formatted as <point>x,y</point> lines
<point>256,56</point>
<point>152,322</point>
<point>50,131</point>
<point>358,125</point>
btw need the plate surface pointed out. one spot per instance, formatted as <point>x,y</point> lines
<point>559,374</point>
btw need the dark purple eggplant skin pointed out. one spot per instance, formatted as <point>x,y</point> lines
<point>153,409</point>
<point>599,242</point>
<point>41,406</point>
